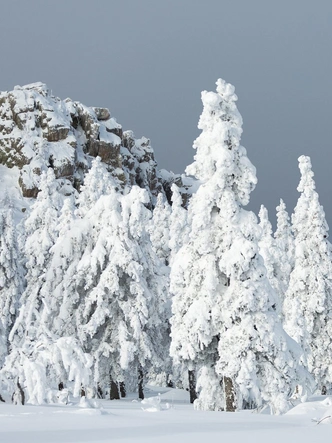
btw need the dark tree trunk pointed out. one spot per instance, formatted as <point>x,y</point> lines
<point>140,383</point>
<point>192,386</point>
<point>1,399</point>
<point>123,389</point>
<point>169,383</point>
<point>114,391</point>
<point>229,394</point>
<point>100,393</point>
<point>60,386</point>
<point>82,392</point>
<point>324,390</point>
<point>21,393</point>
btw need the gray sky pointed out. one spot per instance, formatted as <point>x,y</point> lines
<point>148,61</point>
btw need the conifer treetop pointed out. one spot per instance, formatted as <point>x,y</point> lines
<point>220,159</point>
<point>307,183</point>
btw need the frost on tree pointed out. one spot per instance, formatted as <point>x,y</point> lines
<point>179,224</point>
<point>284,241</point>
<point>224,320</point>
<point>159,228</point>
<point>124,312</point>
<point>179,228</point>
<point>271,255</point>
<point>11,276</point>
<point>39,358</point>
<point>78,230</point>
<point>308,302</point>
<point>97,182</point>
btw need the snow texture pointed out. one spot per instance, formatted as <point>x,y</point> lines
<point>225,321</point>
<point>173,420</point>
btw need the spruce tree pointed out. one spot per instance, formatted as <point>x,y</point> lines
<point>11,275</point>
<point>159,228</point>
<point>179,224</point>
<point>124,312</point>
<point>271,255</point>
<point>224,318</point>
<point>40,359</point>
<point>178,236</point>
<point>284,240</point>
<point>308,301</point>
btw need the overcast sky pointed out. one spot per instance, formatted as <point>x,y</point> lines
<point>148,61</point>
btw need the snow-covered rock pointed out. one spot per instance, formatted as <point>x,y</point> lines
<point>39,130</point>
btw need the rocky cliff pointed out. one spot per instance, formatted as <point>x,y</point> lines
<point>38,130</point>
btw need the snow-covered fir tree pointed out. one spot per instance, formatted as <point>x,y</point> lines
<point>224,319</point>
<point>159,228</point>
<point>97,182</point>
<point>39,358</point>
<point>116,284</point>
<point>41,233</point>
<point>122,318</point>
<point>284,239</point>
<point>271,254</point>
<point>75,244</point>
<point>179,229</point>
<point>179,226</point>
<point>308,301</point>
<point>11,275</point>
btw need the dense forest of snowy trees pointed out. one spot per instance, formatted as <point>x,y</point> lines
<point>109,288</point>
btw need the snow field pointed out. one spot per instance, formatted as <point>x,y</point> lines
<point>176,421</point>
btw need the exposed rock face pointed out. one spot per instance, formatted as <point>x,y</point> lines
<point>140,165</point>
<point>38,130</point>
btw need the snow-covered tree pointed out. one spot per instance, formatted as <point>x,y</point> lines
<point>179,226</point>
<point>39,358</point>
<point>58,291</point>
<point>77,234</point>
<point>224,317</point>
<point>159,228</point>
<point>41,233</point>
<point>97,182</point>
<point>123,314</point>
<point>271,255</point>
<point>308,301</point>
<point>11,276</point>
<point>285,243</point>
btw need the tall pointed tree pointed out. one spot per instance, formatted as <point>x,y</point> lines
<point>39,358</point>
<point>159,228</point>
<point>224,316</point>
<point>41,234</point>
<point>97,182</point>
<point>179,229</point>
<point>179,225</point>
<point>271,255</point>
<point>308,302</point>
<point>284,239</point>
<point>123,314</point>
<point>11,275</point>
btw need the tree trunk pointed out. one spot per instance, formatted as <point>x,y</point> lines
<point>140,383</point>
<point>170,384</point>
<point>324,390</point>
<point>1,399</point>
<point>60,386</point>
<point>99,392</point>
<point>114,391</point>
<point>229,394</point>
<point>192,386</point>
<point>123,389</point>
<point>21,393</point>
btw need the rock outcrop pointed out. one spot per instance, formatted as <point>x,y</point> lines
<point>38,130</point>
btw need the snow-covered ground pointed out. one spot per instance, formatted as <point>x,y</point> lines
<point>167,417</point>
